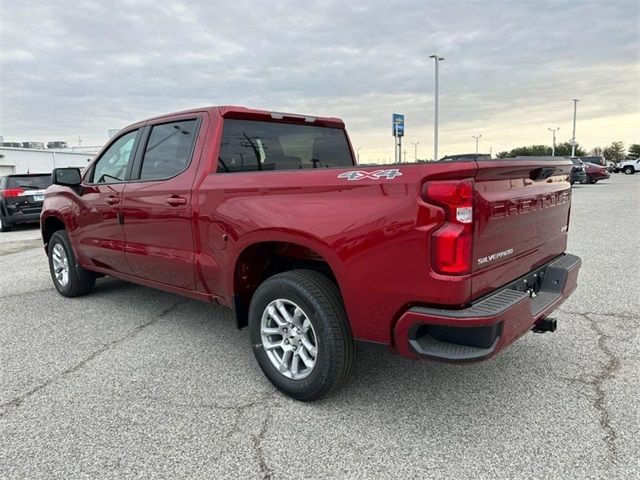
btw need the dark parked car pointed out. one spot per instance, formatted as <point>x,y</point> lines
<point>578,174</point>
<point>21,198</point>
<point>594,173</point>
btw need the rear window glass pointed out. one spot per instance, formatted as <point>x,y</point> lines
<point>249,146</point>
<point>29,182</point>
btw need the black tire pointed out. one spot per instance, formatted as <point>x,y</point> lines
<point>629,170</point>
<point>322,304</point>
<point>587,179</point>
<point>4,226</point>
<point>80,281</point>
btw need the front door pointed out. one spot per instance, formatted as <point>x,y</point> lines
<point>157,210</point>
<point>99,230</point>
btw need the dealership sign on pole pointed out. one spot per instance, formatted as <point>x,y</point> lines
<point>397,121</point>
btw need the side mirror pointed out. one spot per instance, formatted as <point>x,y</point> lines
<point>69,177</point>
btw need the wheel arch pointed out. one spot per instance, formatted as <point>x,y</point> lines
<point>258,259</point>
<point>49,226</point>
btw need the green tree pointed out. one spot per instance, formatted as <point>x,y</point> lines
<point>596,151</point>
<point>634,151</point>
<point>528,151</point>
<point>564,150</point>
<point>615,152</point>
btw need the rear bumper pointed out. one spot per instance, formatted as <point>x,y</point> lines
<point>16,217</point>
<point>491,323</point>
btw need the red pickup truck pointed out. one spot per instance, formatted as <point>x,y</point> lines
<point>268,213</point>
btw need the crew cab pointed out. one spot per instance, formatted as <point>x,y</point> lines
<point>268,213</point>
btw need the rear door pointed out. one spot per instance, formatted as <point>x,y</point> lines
<point>157,207</point>
<point>522,214</point>
<point>99,231</point>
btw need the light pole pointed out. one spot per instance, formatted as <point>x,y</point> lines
<point>415,151</point>
<point>437,59</point>
<point>553,147</point>
<point>358,155</point>
<point>573,138</point>
<point>477,137</point>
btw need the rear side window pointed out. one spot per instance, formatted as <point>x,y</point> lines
<point>169,150</point>
<point>29,182</point>
<point>249,146</point>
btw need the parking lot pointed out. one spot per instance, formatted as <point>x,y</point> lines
<point>133,382</point>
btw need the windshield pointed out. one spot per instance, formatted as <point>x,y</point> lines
<point>29,182</point>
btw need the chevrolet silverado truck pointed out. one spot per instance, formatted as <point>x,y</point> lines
<point>268,213</point>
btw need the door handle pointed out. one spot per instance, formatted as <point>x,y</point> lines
<point>112,200</point>
<point>175,201</point>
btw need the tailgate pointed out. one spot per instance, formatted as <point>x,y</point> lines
<point>521,218</point>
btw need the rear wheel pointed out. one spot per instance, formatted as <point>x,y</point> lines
<point>587,179</point>
<point>300,334</point>
<point>629,170</point>
<point>69,278</point>
<point>4,226</point>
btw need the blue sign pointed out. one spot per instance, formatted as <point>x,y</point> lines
<point>397,124</point>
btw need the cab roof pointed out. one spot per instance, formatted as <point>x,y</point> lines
<point>239,112</point>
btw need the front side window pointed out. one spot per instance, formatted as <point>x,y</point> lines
<point>112,166</point>
<point>168,150</point>
<point>249,145</point>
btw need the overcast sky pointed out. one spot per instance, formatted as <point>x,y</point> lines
<point>79,68</point>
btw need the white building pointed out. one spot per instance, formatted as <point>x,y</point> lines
<point>28,160</point>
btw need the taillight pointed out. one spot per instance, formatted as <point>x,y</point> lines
<point>451,253</point>
<point>11,192</point>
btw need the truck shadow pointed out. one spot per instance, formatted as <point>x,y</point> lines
<point>381,380</point>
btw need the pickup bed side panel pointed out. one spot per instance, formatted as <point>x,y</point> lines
<point>373,233</point>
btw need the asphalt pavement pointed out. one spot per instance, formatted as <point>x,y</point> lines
<point>130,382</point>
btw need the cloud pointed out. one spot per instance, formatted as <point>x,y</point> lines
<point>511,68</point>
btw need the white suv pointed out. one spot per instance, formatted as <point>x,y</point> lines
<point>630,166</point>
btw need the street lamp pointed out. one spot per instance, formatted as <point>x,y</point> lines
<point>358,155</point>
<point>477,137</point>
<point>415,152</point>
<point>437,59</point>
<point>553,148</point>
<point>573,138</point>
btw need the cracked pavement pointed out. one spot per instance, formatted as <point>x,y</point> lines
<point>130,382</point>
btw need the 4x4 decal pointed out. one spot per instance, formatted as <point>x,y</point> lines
<point>389,174</point>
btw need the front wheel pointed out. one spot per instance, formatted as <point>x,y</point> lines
<point>69,278</point>
<point>300,334</point>
<point>629,170</point>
